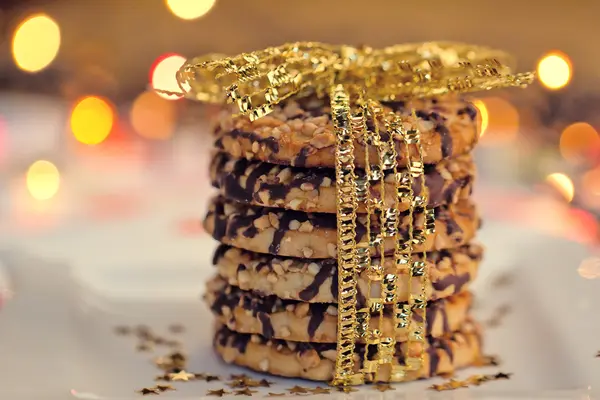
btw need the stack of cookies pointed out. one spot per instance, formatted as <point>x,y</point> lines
<point>275,291</point>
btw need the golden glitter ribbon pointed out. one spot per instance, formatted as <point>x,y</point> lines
<point>357,80</point>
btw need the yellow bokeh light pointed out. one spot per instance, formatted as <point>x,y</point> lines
<point>152,116</point>
<point>577,140</point>
<point>43,180</point>
<point>92,120</point>
<point>35,43</point>
<point>483,114</point>
<point>189,9</point>
<point>162,75</point>
<point>554,70</point>
<point>563,184</point>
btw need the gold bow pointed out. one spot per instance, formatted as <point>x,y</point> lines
<point>258,80</point>
<point>356,81</point>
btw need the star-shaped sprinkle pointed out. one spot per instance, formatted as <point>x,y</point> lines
<point>297,390</point>
<point>320,390</point>
<point>181,376</point>
<point>176,328</point>
<point>148,391</point>
<point>244,392</point>
<point>502,375</point>
<point>218,392</point>
<point>122,330</point>
<point>384,387</point>
<point>210,378</point>
<point>346,389</point>
<point>164,388</point>
<point>271,394</point>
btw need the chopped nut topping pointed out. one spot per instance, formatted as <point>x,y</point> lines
<point>294,225</point>
<point>307,252</point>
<point>306,227</point>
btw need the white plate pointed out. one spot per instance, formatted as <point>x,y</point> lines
<point>57,340</point>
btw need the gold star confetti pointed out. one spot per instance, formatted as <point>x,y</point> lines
<point>199,376</point>
<point>486,361</point>
<point>218,392</point>
<point>164,377</point>
<point>147,391</point>
<point>320,390</point>
<point>143,332</point>
<point>346,389</point>
<point>502,375</point>
<point>297,390</point>
<point>454,384</point>
<point>181,376</point>
<point>210,378</point>
<point>244,392</point>
<point>164,388</point>
<point>144,346</point>
<point>176,328</point>
<point>384,387</point>
<point>271,394</point>
<point>122,330</point>
<point>264,383</point>
<point>240,376</point>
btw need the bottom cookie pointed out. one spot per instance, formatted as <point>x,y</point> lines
<point>316,361</point>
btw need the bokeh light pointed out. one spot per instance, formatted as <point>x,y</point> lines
<point>578,140</point>
<point>152,116</point>
<point>502,121</point>
<point>554,70</point>
<point>563,184</point>
<point>35,43</point>
<point>591,181</point>
<point>43,180</point>
<point>589,268</point>
<point>162,74</point>
<point>92,120</point>
<point>189,9</point>
<point>483,113</point>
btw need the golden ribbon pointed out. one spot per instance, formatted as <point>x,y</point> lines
<point>357,80</point>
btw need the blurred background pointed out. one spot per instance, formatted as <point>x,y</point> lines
<point>84,140</point>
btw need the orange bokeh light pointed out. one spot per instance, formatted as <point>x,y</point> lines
<point>578,140</point>
<point>152,116</point>
<point>162,74</point>
<point>92,120</point>
<point>591,181</point>
<point>502,120</point>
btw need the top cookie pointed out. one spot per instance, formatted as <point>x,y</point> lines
<point>299,132</point>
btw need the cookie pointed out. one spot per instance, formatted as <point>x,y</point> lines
<point>314,190</point>
<point>247,312</point>
<point>314,235</point>
<point>316,361</point>
<point>315,280</point>
<point>299,132</point>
